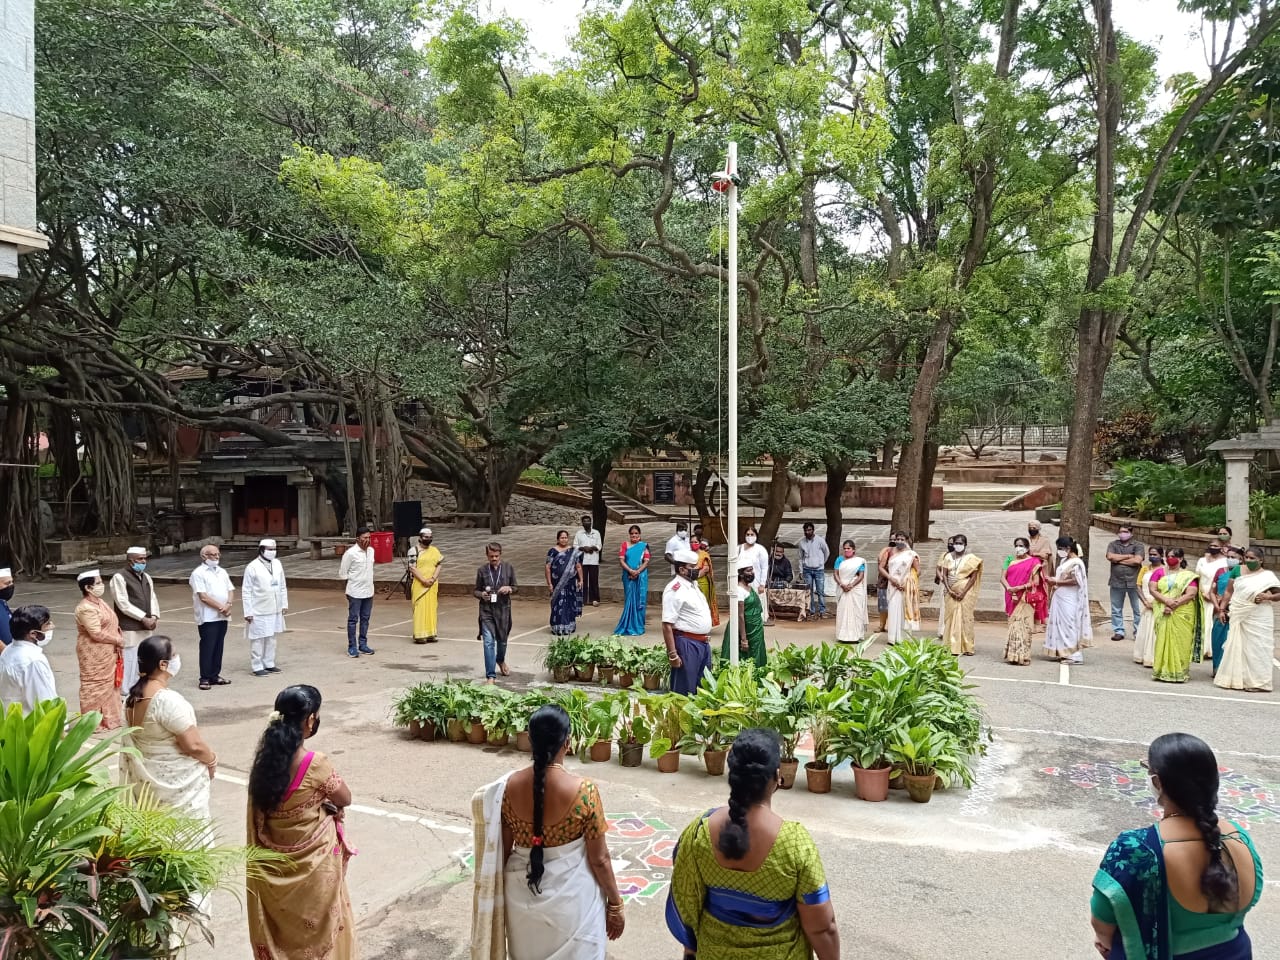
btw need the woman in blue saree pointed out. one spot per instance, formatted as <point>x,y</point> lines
<point>564,581</point>
<point>1181,888</point>
<point>633,557</point>
<point>1221,580</point>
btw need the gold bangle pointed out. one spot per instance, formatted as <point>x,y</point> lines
<point>615,907</point>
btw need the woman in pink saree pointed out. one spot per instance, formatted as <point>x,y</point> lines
<point>300,911</point>
<point>1025,601</point>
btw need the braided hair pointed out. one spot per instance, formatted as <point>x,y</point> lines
<point>270,775</point>
<point>753,765</point>
<point>548,732</point>
<point>1188,773</point>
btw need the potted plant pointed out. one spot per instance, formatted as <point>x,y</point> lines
<point>476,732</point>
<point>634,731</point>
<point>822,710</point>
<point>784,711</point>
<point>669,723</point>
<point>918,751</point>
<point>457,701</point>
<point>724,704</point>
<point>557,658</point>
<point>404,709</point>
<point>607,651</point>
<point>655,666</point>
<point>522,710</point>
<point>498,715</point>
<point>584,658</point>
<point>864,740</point>
<point>430,711</point>
<point>629,661</point>
<point>575,703</point>
<point>603,717</point>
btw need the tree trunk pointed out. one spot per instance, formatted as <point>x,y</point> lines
<point>911,465</point>
<point>107,447</point>
<point>776,503</point>
<point>923,505</point>
<point>21,544</point>
<point>369,457</point>
<point>837,480</point>
<point>599,509</point>
<point>700,482</point>
<point>353,513</point>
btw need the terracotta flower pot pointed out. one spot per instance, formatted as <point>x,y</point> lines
<point>498,741</point>
<point>898,782</point>
<point>920,789</point>
<point>523,742</point>
<point>714,759</point>
<point>606,674</point>
<point>560,674</point>
<point>787,771</point>
<point>601,751</point>
<point>415,729</point>
<point>476,732</point>
<point>626,679</point>
<point>429,731</point>
<point>669,762</point>
<point>584,672</point>
<point>872,784</point>
<point>652,681</point>
<point>817,779</point>
<point>456,730</point>
<point>632,753</point>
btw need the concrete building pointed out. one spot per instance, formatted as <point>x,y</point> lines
<point>18,233</point>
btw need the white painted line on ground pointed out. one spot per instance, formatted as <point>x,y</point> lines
<point>298,613</point>
<point>527,633</point>
<point>1064,674</point>
<point>389,636</point>
<point>398,623</point>
<point>1149,693</point>
<point>1058,735</point>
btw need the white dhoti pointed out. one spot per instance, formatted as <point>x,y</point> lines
<point>261,633</point>
<point>131,640</point>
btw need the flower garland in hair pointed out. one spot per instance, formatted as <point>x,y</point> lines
<point>275,717</point>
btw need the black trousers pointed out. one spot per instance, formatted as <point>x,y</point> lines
<point>212,636</point>
<point>591,583</point>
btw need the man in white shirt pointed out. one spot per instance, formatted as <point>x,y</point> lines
<point>357,569</point>
<point>134,596</point>
<point>211,595</point>
<point>686,625</point>
<point>759,557</point>
<point>265,596</point>
<point>588,541</point>
<point>25,675</point>
<point>678,542</point>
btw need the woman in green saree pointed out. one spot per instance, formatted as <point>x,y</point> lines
<point>1179,640</point>
<point>750,618</point>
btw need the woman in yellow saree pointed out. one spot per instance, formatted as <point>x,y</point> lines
<point>707,579</point>
<point>301,910</point>
<point>1179,642</point>
<point>961,578</point>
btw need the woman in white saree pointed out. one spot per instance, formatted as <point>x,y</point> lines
<point>902,570</point>
<point>173,764</point>
<point>543,891</point>
<point>851,609</point>
<point>1070,628</point>
<point>1246,660</point>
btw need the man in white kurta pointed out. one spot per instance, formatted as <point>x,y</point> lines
<point>265,596</point>
<point>25,675</point>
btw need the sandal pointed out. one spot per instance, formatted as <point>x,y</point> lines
<point>205,685</point>
<point>220,682</point>
<point>502,668</point>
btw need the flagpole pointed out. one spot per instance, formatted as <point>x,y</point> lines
<point>732,533</point>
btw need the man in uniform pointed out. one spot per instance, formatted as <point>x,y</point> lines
<point>134,596</point>
<point>686,624</point>
<point>265,596</point>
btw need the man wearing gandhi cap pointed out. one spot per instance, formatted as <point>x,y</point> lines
<point>424,566</point>
<point>266,600</point>
<point>134,597</point>
<point>6,594</point>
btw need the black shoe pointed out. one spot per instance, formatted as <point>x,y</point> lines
<point>274,670</point>
<point>261,673</point>
<point>351,652</point>
<point>421,640</point>
<point>367,651</point>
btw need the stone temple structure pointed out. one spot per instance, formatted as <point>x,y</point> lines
<point>18,233</point>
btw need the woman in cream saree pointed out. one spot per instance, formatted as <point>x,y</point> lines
<point>1246,661</point>
<point>903,567</point>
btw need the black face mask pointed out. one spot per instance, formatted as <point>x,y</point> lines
<point>425,541</point>
<point>690,573</point>
<point>747,576</point>
<point>7,593</point>
<point>1215,549</point>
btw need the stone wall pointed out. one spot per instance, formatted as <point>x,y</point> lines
<point>438,500</point>
<point>17,134</point>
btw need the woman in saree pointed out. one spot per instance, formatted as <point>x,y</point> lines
<point>1149,574</point>
<point>424,568</point>
<point>1218,624</point>
<point>1024,601</point>
<point>173,763</point>
<point>750,618</point>
<point>706,575</point>
<point>301,910</point>
<point>633,557</point>
<point>564,583</point>
<point>961,577</point>
<point>544,883</point>
<point>99,651</point>
<point>1182,887</point>
<point>902,570</point>
<point>1179,637</point>
<point>747,883</point>
<point>1246,659</point>
<point>851,581</point>
<point>1069,629</point>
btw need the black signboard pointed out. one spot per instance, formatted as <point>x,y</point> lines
<point>664,487</point>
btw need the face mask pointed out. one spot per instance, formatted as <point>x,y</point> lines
<point>690,573</point>
<point>683,535</point>
<point>1153,560</point>
<point>898,545</point>
<point>98,589</point>
<point>1020,551</point>
<point>7,593</point>
<point>747,576</point>
<point>45,636</point>
<point>1062,554</point>
<point>1233,561</point>
<point>138,567</point>
<point>751,538</point>
<point>1124,535</point>
<point>268,555</point>
<point>175,664</point>
<point>1172,563</point>
<point>1215,549</point>
<point>212,564</point>
<point>1253,564</point>
<point>1033,531</point>
<point>958,547</point>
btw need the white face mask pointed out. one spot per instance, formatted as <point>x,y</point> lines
<point>175,664</point>
<point>751,538</point>
<point>682,535</point>
<point>268,555</point>
<point>958,547</point>
<point>212,564</point>
<point>47,635</point>
<point>1062,554</point>
<point>98,589</point>
<point>1020,551</point>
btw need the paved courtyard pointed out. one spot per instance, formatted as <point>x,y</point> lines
<point>1001,870</point>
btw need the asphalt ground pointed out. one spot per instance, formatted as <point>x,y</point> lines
<point>1003,869</point>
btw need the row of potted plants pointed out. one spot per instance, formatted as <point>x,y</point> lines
<point>585,658</point>
<point>908,714</point>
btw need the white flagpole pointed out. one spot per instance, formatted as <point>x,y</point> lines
<point>732,533</point>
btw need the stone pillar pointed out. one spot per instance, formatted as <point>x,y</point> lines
<point>226,520</point>
<point>18,232</point>
<point>306,509</point>
<point>1238,464</point>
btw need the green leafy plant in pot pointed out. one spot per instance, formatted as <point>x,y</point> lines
<point>586,653</point>
<point>723,705</point>
<point>629,660</point>
<point>558,657</point>
<point>608,650</point>
<point>921,752</point>
<point>823,711</point>
<point>575,703</point>
<point>522,710</point>
<point>459,700</point>
<point>603,717</point>
<point>785,712</point>
<point>498,713</point>
<point>655,666</point>
<point>634,730</point>
<point>669,723</point>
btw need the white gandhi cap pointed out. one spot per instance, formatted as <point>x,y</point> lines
<point>136,551</point>
<point>87,575</point>
<point>424,532</point>
<point>268,543</point>
<point>6,572</point>
<point>687,557</point>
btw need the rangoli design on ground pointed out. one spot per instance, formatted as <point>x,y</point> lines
<point>1240,797</point>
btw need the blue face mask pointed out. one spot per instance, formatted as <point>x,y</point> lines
<point>139,567</point>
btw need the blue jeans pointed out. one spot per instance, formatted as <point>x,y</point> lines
<point>358,609</point>
<point>1117,608</point>
<point>495,648</point>
<point>815,579</point>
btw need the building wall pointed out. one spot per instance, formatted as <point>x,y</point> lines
<point>17,134</point>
